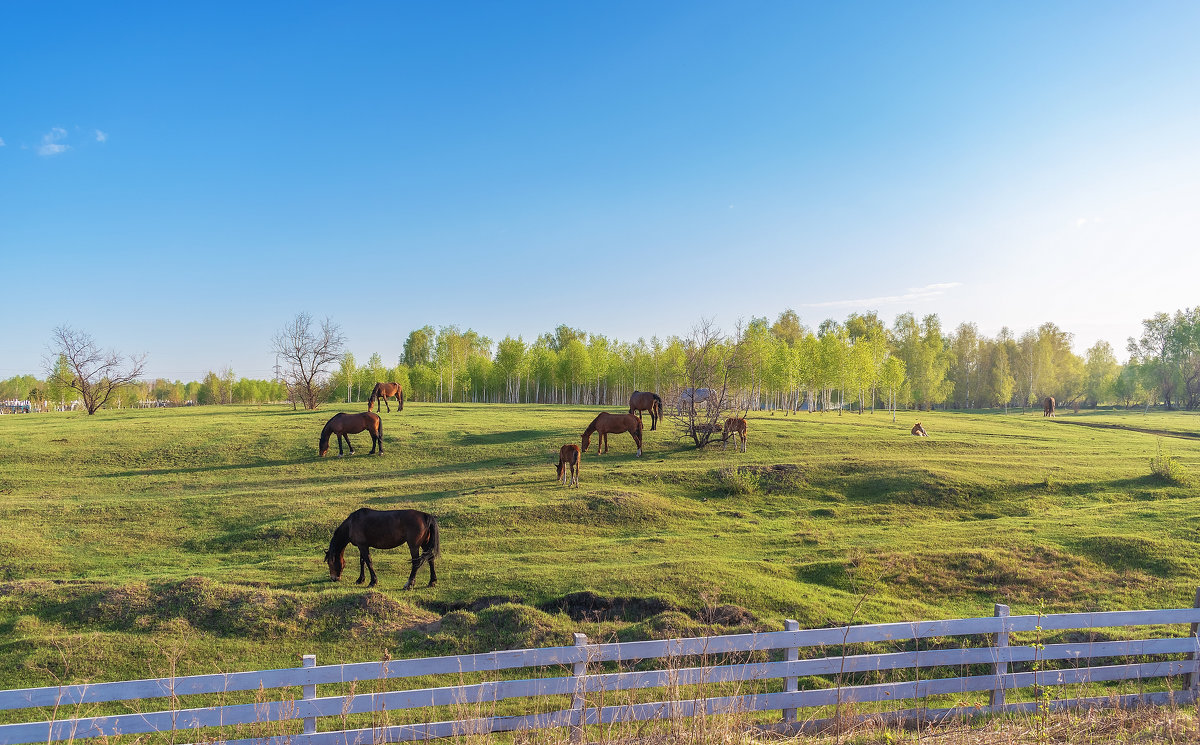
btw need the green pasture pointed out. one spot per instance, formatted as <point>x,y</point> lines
<point>135,543</point>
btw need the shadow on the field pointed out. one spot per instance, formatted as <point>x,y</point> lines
<point>501,438</point>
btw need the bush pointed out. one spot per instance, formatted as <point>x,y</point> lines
<point>1168,468</point>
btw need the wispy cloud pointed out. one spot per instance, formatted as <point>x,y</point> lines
<point>1,142</point>
<point>914,293</point>
<point>101,136</point>
<point>51,144</point>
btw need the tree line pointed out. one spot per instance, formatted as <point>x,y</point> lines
<point>858,363</point>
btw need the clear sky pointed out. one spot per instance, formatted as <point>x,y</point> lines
<point>180,179</point>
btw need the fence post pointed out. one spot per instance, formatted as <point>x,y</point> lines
<point>1001,667</point>
<point>1193,679</point>
<point>309,692</point>
<point>577,712</point>
<point>790,684</point>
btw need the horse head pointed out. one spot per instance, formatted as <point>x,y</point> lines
<point>587,440</point>
<point>322,447</point>
<point>336,564</point>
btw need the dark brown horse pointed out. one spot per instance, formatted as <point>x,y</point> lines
<point>368,529</point>
<point>605,424</point>
<point>1048,407</point>
<point>384,391</point>
<point>646,401</point>
<point>734,425</point>
<point>343,425</point>
<point>568,465</point>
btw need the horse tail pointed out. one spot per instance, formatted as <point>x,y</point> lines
<point>401,399</point>
<point>658,403</point>
<point>433,544</point>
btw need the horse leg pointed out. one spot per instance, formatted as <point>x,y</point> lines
<point>339,436</point>
<point>416,564</point>
<point>575,473</point>
<point>370,566</point>
<point>432,573</point>
<point>362,564</point>
<point>349,444</point>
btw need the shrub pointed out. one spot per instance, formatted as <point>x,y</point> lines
<point>1168,468</point>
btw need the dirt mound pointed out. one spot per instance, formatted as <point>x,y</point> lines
<point>588,606</point>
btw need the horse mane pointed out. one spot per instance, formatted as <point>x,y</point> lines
<point>325,433</point>
<point>341,537</point>
<point>592,427</point>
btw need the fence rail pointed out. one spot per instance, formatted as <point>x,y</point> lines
<point>683,664</point>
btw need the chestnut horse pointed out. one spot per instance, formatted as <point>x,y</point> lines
<point>368,529</point>
<point>1048,407</point>
<point>646,401</point>
<point>737,425</point>
<point>343,425</point>
<point>606,423</point>
<point>568,465</point>
<point>384,391</point>
<point>919,431</point>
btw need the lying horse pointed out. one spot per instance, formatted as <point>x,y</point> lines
<point>646,401</point>
<point>1048,407</point>
<point>605,424</point>
<point>919,431</point>
<point>384,391</point>
<point>368,529</point>
<point>737,425</point>
<point>343,425</point>
<point>568,465</point>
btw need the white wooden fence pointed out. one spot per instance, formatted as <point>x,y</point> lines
<point>1057,664</point>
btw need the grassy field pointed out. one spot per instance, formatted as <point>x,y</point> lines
<point>138,542</point>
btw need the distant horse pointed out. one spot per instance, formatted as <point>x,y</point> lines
<point>368,529</point>
<point>343,425</point>
<point>646,401</point>
<point>919,431</point>
<point>605,424</point>
<point>1048,407</point>
<point>737,425</point>
<point>692,396</point>
<point>384,391</point>
<point>568,465</point>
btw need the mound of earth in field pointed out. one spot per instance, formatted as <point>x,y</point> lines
<point>1019,575</point>
<point>203,605</point>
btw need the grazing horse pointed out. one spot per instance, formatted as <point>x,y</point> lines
<point>606,423</point>
<point>919,431</point>
<point>568,465</point>
<point>646,401</point>
<point>738,425</point>
<point>1048,407</point>
<point>693,396</point>
<point>344,425</point>
<point>367,529</point>
<point>384,391</point>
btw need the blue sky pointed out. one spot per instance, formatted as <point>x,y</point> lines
<point>180,180</point>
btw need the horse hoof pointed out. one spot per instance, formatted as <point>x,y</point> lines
<point>359,581</point>
<point>432,584</point>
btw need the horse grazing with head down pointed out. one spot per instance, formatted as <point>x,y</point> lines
<point>647,401</point>
<point>384,391</point>
<point>734,425</point>
<point>1048,407</point>
<point>568,465</point>
<point>368,529</point>
<point>343,425</point>
<point>605,424</point>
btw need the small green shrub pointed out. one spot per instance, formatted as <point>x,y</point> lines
<point>1168,468</point>
<point>741,480</point>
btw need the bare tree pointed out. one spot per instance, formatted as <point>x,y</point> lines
<point>307,356</point>
<point>75,361</point>
<point>700,408</point>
